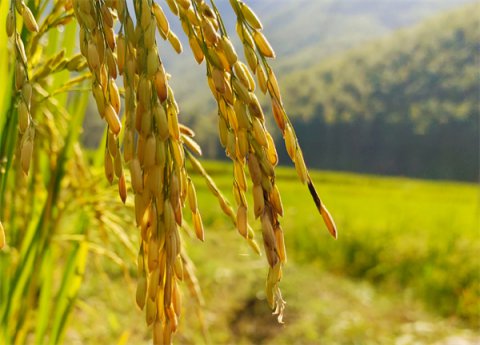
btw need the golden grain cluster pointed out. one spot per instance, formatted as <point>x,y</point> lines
<point>154,145</point>
<point>2,236</point>
<point>146,137</point>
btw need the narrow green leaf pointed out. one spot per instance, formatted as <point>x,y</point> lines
<point>71,282</point>
<point>46,293</point>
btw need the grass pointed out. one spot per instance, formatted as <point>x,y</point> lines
<point>402,271</point>
<point>409,234</point>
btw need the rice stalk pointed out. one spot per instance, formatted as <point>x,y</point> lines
<point>150,139</point>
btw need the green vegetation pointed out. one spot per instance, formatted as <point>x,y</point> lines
<point>413,241</point>
<point>406,234</point>
<point>34,210</point>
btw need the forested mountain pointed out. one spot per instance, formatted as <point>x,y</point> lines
<point>404,105</point>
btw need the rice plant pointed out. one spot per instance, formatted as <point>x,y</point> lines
<point>44,174</point>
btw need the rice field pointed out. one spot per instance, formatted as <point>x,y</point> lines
<point>402,271</point>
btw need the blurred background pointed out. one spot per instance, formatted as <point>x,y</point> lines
<point>384,97</point>
<point>383,87</point>
<point>376,87</point>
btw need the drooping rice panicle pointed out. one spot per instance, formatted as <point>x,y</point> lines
<point>145,134</point>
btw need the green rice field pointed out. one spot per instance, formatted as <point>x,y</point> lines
<point>404,270</point>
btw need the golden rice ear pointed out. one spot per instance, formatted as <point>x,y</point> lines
<point>112,119</point>
<point>114,95</point>
<point>263,45</point>
<point>156,144</point>
<point>327,218</point>
<point>276,200</point>
<point>20,49</point>
<point>198,225</point>
<point>141,292</point>
<point>192,196</point>
<point>280,240</point>
<point>251,17</point>
<point>259,132</point>
<point>242,221</point>
<point>300,166</point>
<point>161,19</point>
<point>290,142</point>
<point>2,236</point>
<point>20,76</point>
<point>196,49</point>
<point>109,173</point>
<point>136,176</point>
<point>153,63</point>
<point>209,33</point>
<point>251,57</point>
<point>218,80</point>
<point>10,23</point>
<point>122,188</point>
<point>23,116</point>
<point>26,154</point>
<point>229,50</point>
<point>272,85</point>
<point>175,42</point>
<point>121,53</point>
<point>262,79</point>
<point>258,200</point>
<point>278,114</point>
<point>269,238</point>
<point>29,19</point>
<point>329,221</point>
<point>93,57</point>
